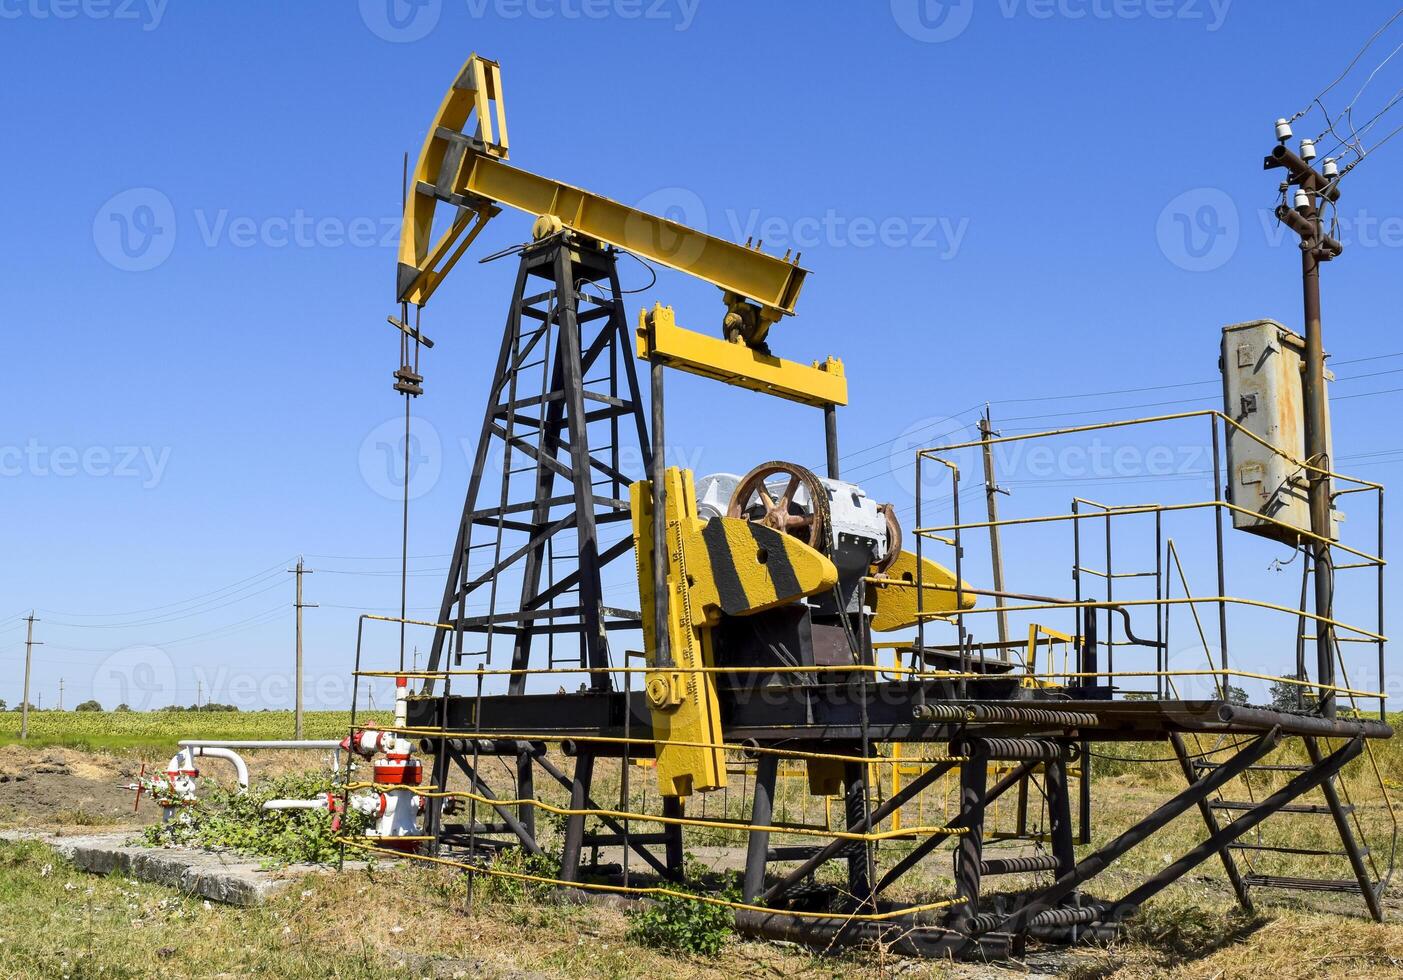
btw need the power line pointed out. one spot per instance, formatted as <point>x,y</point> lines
<point>1377,68</point>
<point>257,619</point>
<point>413,573</point>
<point>1366,394</point>
<point>379,557</point>
<point>233,586</point>
<point>1097,394</point>
<point>1360,360</point>
<point>161,620</point>
<point>1350,67</point>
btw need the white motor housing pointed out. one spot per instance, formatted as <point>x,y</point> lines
<point>714,494</point>
<point>856,519</point>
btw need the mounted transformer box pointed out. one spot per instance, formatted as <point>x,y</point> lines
<point>1262,364</point>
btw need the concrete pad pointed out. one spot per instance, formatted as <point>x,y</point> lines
<point>217,876</point>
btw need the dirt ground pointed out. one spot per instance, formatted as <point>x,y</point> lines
<point>56,787</point>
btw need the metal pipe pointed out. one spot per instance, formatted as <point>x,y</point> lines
<point>830,439</point>
<point>295,805</point>
<point>1218,488</point>
<point>762,813</point>
<point>1379,629</point>
<point>991,494</point>
<point>969,851</point>
<point>1304,724</point>
<point>1302,173</point>
<point>662,652</point>
<point>271,743</point>
<point>178,761</point>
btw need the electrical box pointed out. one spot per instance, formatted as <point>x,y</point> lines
<point>1263,366</point>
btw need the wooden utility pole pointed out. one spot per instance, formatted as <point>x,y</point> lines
<point>29,645</point>
<point>991,496</point>
<point>299,571</point>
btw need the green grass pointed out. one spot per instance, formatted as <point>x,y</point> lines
<point>389,921</point>
<point>117,731</point>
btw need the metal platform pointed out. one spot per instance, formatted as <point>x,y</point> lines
<point>814,716</point>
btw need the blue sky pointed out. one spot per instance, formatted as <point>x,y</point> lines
<point>1019,201</point>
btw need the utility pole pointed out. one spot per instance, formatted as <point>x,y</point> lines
<point>60,694</point>
<point>991,497</point>
<point>199,691</point>
<point>29,644</point>
<point>1313,191</point>
<point>299,571</point>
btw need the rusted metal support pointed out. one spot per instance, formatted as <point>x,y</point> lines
<point>830,439</point>
<point>1010,780</point>
<point>1342,824</point>
<point>575,824</point>
<point>1210,820</point>
<point>1050,897</point>
<point>761,813</point>
<point>826,853</point>
<point>1318,775</point>
<point>969,853</point>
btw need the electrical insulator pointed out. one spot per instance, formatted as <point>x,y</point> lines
<point>1302,200</point>
<point>1307,150</point>
<point>1283,130</point>
<point>1331,168</point>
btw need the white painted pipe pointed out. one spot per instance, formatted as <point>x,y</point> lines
<point>295,805</point>
<point>228,755</point>
<point>401,702</point>
<point>266,743</point>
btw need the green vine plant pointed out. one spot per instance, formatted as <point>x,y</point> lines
<point>228,820</point>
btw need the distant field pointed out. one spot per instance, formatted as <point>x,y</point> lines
<point>116,730</point>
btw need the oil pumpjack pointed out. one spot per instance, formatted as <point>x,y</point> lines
<point>761,598</point>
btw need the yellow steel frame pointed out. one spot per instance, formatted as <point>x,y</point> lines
<point>1035,632</point>
<point>662,341</point>
<point>464,168</point>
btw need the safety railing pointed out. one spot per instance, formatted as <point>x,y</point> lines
<point>1087,610</point>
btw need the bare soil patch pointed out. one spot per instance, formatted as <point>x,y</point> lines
<point>57,788</point>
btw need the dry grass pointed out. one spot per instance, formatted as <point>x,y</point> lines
<point>396,920</point>
<point>414,921</point>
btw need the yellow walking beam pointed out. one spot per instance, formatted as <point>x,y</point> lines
<point>462,164</point>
